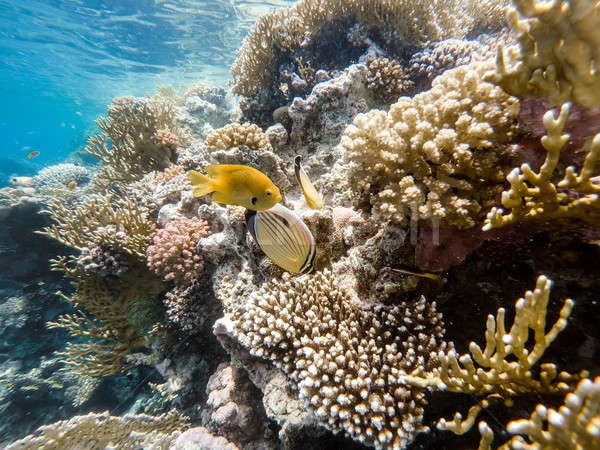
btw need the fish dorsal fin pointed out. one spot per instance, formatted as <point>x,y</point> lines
<point>222,169</point>
<point>311,195</point>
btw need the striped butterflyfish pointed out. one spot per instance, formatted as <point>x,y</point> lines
<point>283,237</point>
<point>312,196</point>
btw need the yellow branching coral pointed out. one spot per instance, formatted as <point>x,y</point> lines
<point>503,369</point>
<point>575,425</point>
<point>434,155</point>
<point>559,49</point>
<point>535,196</point>
<point>412,21</point>
<point>117,222</point>
<point>235,134</point>
<point>142,134</point>
<point>105,431</point>
<point>346,359</point>
<point>114,335</point>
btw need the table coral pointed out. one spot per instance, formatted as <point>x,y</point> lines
<point>120,223</point>
<point>433,156</point>
<point>346,359</point>
<point>235,135</point>
<point>559,47</point>
<point>173,254</point>
<point>105,431</point>
<point>535,196</point>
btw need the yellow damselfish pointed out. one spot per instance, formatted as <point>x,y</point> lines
<point>234,184</point>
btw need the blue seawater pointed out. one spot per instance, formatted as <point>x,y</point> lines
<point>62,61</point>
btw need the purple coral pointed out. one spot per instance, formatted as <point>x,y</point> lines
<point>173,254</point>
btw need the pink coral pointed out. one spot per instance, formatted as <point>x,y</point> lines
<point>168,174</point>
<point>165,138</point>
<point>173,254</point>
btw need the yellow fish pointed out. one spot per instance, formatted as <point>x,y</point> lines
<point>312,196</point>
<point>284,238</point>
<point>71,185</point>
<point>233,184</point>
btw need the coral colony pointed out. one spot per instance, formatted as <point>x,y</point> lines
<point>411,117</point>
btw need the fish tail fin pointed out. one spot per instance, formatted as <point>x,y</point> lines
<point>202,184</point>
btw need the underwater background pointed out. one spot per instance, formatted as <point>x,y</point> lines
<point>323,224</point>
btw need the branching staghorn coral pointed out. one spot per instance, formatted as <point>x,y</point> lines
<point>105,431</point>
<point>346,359</point>
<point>113,334</point>
<point>559,49</point>
<point>537,196</point>
<point>120,223</point>
<point>433,156</point>
<point>412,22</point>
<point>142,135</point>
<point>503,369</point>
<point>235,134</point>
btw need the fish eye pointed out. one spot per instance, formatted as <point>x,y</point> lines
<point>254,200</point>
<point>269,193</point>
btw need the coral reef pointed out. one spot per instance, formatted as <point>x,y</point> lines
<point>174,254</point>
<point>345,359</point>
<point>434,156</point>
<point>191,307</point>
<point>142,135</point>
<point>558,44</point>
<point>102,260</point>
<point>534,196</point>
<point>235,135</point>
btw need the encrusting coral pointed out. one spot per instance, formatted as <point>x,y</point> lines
<point>173,254</point>
<point>504,368</point>
<point>436,155</point>
<point>559,46</point>
<point>535,196</point>
<point>143,134</point>
<point>235,135</point>
<point>345,358</point>
<point>105,431</point>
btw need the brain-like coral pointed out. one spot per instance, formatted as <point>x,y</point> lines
<point>235,134</point>
<point>345,358</point>
<point>436,155</point>
<point>173,254</point>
